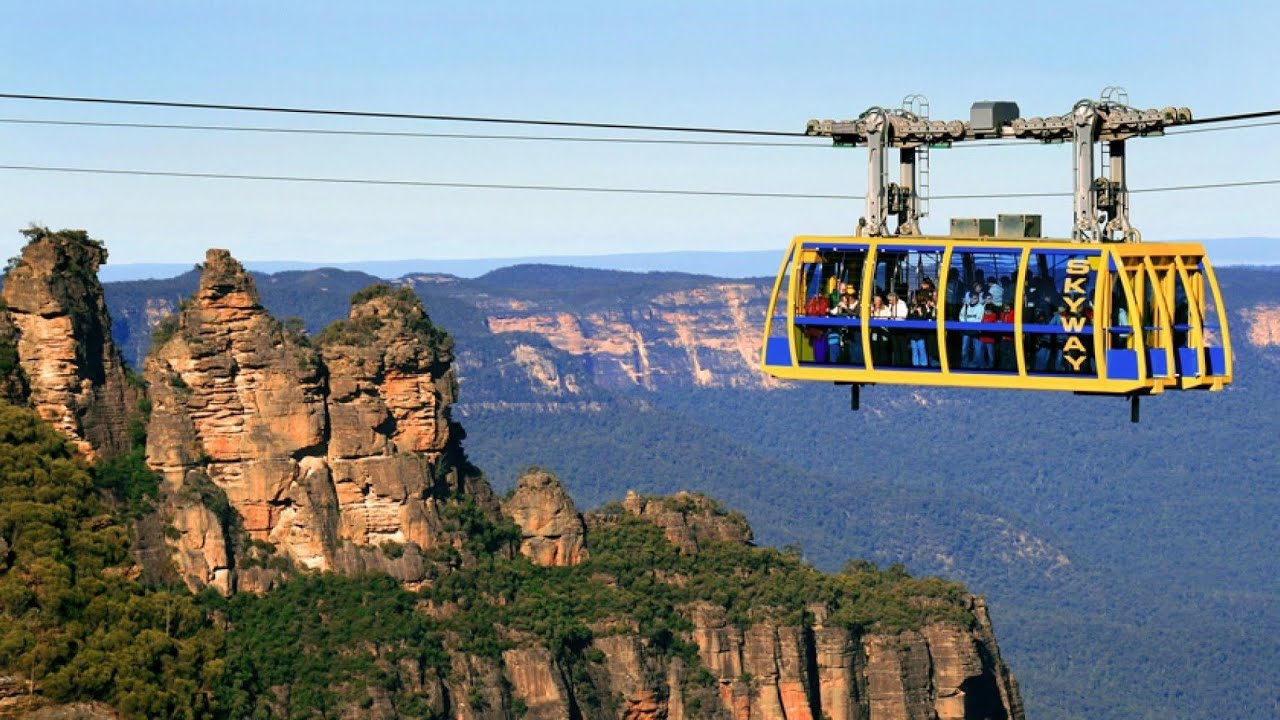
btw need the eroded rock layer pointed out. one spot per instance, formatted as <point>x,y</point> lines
<point>59,333</point>
<point>335,456</point>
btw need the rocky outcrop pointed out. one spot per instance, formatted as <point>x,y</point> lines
<point>336,457</point>
<point>689,520</point>
<point>765,670</point>
<point>552,531</point>
<point>73,374</point>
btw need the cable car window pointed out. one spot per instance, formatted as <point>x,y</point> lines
<point>1057,320</point>
<point>828,325</point>
<point>1214,352</point>
<point>903,307</point>
<point>1121,317</point>
<point>1182,325</point>
<point>980,299</point>
<point>778,311</point>
<point>1212,328</point>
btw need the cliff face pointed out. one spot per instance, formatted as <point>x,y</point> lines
<point>72,372</point>
<point>1263,325</point>
<point>771,667</point>
<point>706,336</point>
<point>333,458</point>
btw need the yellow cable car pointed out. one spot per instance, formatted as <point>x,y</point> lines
<point>993,305</point>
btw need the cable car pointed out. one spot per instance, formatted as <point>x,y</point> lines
<point>993,304</point>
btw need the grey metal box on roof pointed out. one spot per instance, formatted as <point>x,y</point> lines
<point>973,227</point>
<point>1018,226</point>
<point>988,116</point>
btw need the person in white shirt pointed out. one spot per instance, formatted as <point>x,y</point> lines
<point>996,292</point>
<point>970,312</point>
<point>899,348</point>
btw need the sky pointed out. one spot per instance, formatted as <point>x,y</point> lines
<point>737,64</point>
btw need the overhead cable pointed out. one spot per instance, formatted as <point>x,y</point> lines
<point>483,119</point>
<point>406,134</point>
<point>396,115</point>
<point>580,188</point>
<point>532,138</point>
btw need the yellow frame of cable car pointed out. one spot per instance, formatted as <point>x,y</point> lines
<point>1163,265</point>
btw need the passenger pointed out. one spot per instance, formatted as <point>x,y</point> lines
<point>1058,340</point>
<point>819,304</point>
<point>996,292</point>
<point>987,341</point>
<point>897,308</point>
<point>970,312</point>
<point>930,314</point>
<point>1006,356</point>
<point>1043,345</point>
<point>919,355</point>
<point>899,348</point>
<point>1120,340</point>
<point>879,335</point>
<point>1006,284</point>
<point>848,304</point>
<point>927,290</point>
<point>955,297</point>
<point>1047,295</point>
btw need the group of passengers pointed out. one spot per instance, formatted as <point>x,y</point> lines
<point>986,350</point>
<point>987,302</point>
<point>916,347</point>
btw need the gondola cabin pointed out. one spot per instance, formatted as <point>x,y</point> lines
<point>993,305</point>
<point>1106,318</point>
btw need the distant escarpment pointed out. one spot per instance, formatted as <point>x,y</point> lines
<point>278,452</point>
<point>56,350</point>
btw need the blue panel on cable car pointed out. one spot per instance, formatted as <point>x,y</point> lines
<point>1187,361</point>
<point>1122,364</point>
<point>1157,363</point>
<point>1215,361</point>
<point>778,352</point>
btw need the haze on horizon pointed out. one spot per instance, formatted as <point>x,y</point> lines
<point>760,65</point>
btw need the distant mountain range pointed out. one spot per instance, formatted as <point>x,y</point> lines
<point>742,264</point>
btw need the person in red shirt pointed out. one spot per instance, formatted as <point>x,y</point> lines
<point>1005,357</point>
<point>987,341</point>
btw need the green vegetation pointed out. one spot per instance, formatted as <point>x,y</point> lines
<point>36,232</point>
<point>402,303</point>
<point>319,643</point>
<point>634,575</point>
<point>70,619</point>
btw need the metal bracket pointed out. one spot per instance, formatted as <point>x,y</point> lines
<point>1084,130</point>
<point>877,125</point>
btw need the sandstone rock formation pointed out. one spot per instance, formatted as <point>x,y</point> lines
<point>337,458</point>
<point>553,531</point>
<point>689,520</point>
<point>62,335</point>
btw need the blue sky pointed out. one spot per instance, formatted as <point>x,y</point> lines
<point>737,64</point>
